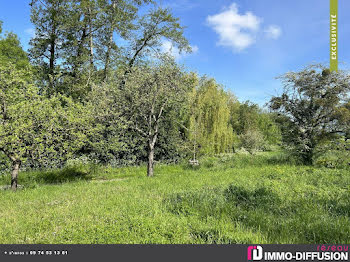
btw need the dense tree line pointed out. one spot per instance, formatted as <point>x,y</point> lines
<point>94,83</point>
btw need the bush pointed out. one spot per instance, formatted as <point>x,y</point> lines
<point>334,154</point>
<point>334,159</point>
<point>252,140</point>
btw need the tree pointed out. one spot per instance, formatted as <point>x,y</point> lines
<point>11,51</point>
<point>248,115</point>
<point>74,44</point>
<point>19,108</point>
<point>108,140</point>
<point>268,127</point>
<point>310,104</point>
<point>157,25</point>
<point>117,17</point>
<point>48,16</point>
<point>34,127</point>
<point>211,118</point>
<point>343,115</point>
<point>78,33</point>
<point>249,118</point>
<point>252,140</point>
<point>151,91</point>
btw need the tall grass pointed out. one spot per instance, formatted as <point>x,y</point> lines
<point>264,198</point>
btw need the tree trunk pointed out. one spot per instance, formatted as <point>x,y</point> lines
<point>109,46</point>
<point>91,40</point>
<point>15,169</point>
<point>78,61</point>
<point>150,160</point>
<point>307,156</point>
<point>52,60</point>
<point>52,55</point>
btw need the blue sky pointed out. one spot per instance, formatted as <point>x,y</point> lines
<point>243,44</point>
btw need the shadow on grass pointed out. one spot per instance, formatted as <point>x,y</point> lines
<point>64,175</point>
<point>32,179</point>
<point>261,197</point>
<point>29,179</point>
<point>218,202</point>
<point>299,220</point>
<point>83,172</point>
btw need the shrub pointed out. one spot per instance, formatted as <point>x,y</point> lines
<point>335,154</point>
<point>252,140</point>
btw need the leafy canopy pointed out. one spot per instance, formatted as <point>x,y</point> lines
<point>310,105</point>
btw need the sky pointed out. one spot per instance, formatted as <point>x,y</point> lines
<point>243,44</point>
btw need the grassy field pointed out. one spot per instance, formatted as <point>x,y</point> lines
<point>232,199</point>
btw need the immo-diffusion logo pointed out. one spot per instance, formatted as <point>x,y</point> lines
<point>255,253</point>
<point>333,253</point>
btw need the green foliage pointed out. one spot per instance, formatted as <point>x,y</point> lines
<point>12,52</point>
<point>310,107</point>
<point>251,118</point>
<point>334,154</point>
<point>48,17</point>
<point>209,119</point>
<point>252,140</point>
<point>88,99</point>
<point>158,24</point>
<point>343,116</point>
<point>218,123</point>
<point>120,130</point>
<point>131,104</point>
<point>74,46</point>
<point>43,131</point>
<point>19,106</point>
<point>108,141</point>
<point>115,17</point>
<point>149,93</point>
<point>269,129</point>
<point>248,116</point>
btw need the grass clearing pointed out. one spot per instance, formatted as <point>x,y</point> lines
<point>231,199</point>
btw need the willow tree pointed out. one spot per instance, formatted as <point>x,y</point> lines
<point>211,118</point>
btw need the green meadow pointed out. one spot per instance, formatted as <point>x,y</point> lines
<point>239,198</point>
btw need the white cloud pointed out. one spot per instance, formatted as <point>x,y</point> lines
<point>239,31</point>
<point>168,47</point>
<point>30,31</point>
<point>235,30</point>
<point>273,32</point>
